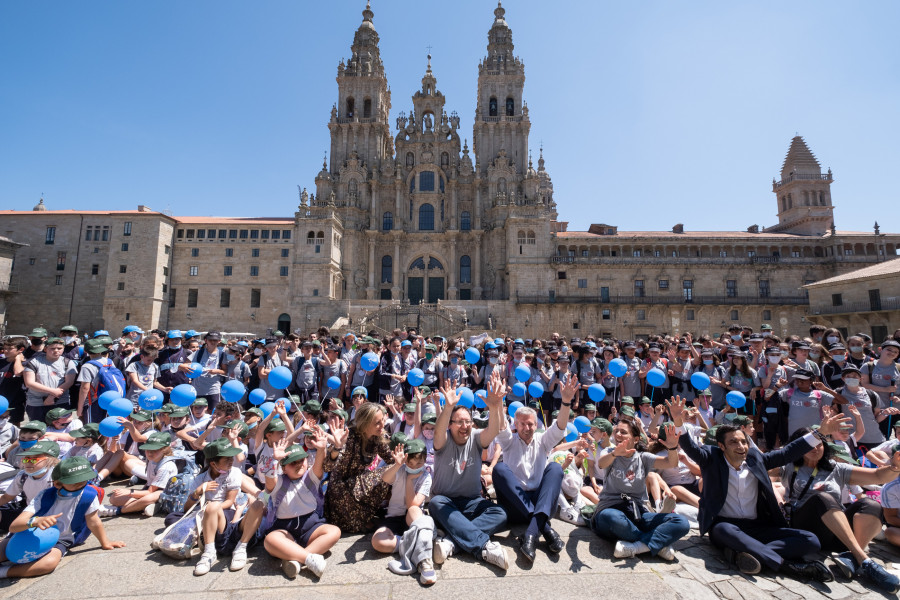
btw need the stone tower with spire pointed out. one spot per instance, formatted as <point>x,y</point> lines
<point>803,194</point>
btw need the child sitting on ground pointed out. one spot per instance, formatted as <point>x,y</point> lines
<point>38,462</point>
<point>159,469</point>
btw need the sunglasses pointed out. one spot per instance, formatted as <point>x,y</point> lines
<point>30,460</point>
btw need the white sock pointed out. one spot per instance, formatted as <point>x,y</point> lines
<point>641,547</point>
<point>4,571</point>
<point>397,545</point>
<point>209,549</point>
<point>562,501</point>
<point>240,546</point>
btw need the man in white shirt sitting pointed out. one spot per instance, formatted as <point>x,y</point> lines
<point>527,482</point>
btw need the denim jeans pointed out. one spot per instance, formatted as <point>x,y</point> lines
<point>521,505</point>
<point>657,530</point>
<point>469,522</point>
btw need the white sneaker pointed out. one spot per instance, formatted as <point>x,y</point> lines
<point>427,576</point>
<point>496,555</point>
<point>316,564</point>
<point>150,510</point>
<point>443,549</point>
<point>667,505</point>
<point>106,510</point>
<point>572,515</point>
<point>629,549</point>
<point>291,568</point>
<point>491,492</point>
<point>204,564</point>
<point>667,553</point>
<point>238,560</point>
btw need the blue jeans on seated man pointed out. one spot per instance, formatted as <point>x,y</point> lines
<point>534,507</point>
<point>657,530</point>
<point>469,522</point>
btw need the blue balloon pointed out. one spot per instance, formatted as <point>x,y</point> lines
<point>523,373</point>
<point>519,390</point>
<point>441,398</point>
<point>735,399</point>
<point>596,392</point>
<point>280,377</point>
<point>29,545</point>
<point>582,424</point>
<point>466,397</point>
<point>415,377</point>
<point>369,361</point>
<point>233,391</point>
<point>656,378</point>
<point>334,382</point>
<point>120,407</point>
<point>472,355</point>
<point>700,380</point>
<point>571,432</point>
<point>257,396</point>
<point>110,427</point>
<point>4,404</point>
<point>513,408</point>
<point>535,389</point>
<point>195,371</point>
<point>617,367</point>
<point>107,397</point>
<point>266,407</point>
<point>183,395</point>
<point>480,397</point>
<point>151,399</point>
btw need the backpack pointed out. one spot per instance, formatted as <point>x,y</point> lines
<point>47,497</point>
<point>109,378</point>
<point>181,540</point>
<point>180,485</point>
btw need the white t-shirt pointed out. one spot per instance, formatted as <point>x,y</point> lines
<point>31,487</point>
<point>93,453</point>
<point>266,465</point>
<point>890,494</point>
<point>159,473</point>
<point>65,506</point>
<point>227,482</point>
<point>397,503</point>
<point>300,498</point>
<point>65,446</point>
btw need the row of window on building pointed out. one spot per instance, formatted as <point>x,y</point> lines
<point>193,298</point>
<point>234,234</point>
<point>426,219</point>
<point>229,252</point>
<point>228,270</point>
<point>687,287</point>
<point>465,268</point>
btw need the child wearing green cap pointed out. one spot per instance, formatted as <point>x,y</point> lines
<point>158,469</point>
<point>103,454</point>
<point>60,506</point>
<point>269,431</point>
<point>38,462</point>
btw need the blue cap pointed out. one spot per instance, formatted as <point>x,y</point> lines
<point>519,341</point>
<point>360,390</point>
<point>498,341</point>
<point>405,343</point>
<point>490,346</point>
<point>100,332</point>
<point>173,334</point>
<point>190,333</point>
<point>132,329</point>
<point>592,344</point>
<point>243,343</point>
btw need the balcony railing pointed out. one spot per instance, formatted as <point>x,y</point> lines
<point>802,177</point>
<point>667,300</point>
<point>857,307</point>
<point>712,260</point>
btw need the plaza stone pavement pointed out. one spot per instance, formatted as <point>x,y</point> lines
<point>585,568</point>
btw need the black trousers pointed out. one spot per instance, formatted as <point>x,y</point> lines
<point>770,545</point>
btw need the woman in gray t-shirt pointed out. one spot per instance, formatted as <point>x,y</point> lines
<point>621,515</point>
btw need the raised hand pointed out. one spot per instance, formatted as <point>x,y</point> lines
<point>450,397</point>
<point>852,408</point>
<point>676,407</point>
<point>622,449</point>
<point>833,423</point>
<point>497,389</point>
<point>279,449</point>
<point>317,440</point>
<point>399,454</point>
<point>569,390</point>
<point>671,440</point>
<point>339,433</point>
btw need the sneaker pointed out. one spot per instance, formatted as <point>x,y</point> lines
<point>316,564</point>
<point>204,564</point>
<point>107,511</point>
<point>491,492</point>
<point>745,562</point>
<point>150,510</point>
<point>443,549</point>
<point>427,576</point>
<point>134,480</point>
<point>291,568</point>
<point>238,560</point>
<point>667,505</point>
<point>845,564</point>
<point>629,549</point>
<point>496,555</point>
<point>572,515</point>
<point>878,576</point>
<point>666,553</point>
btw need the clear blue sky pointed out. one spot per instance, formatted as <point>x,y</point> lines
<point>651,113</point>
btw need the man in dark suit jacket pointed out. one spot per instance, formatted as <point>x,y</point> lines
<point>739,507</point>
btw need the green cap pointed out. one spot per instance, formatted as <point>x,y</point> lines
<point>156,441</point>
<point>57,413</point>
<point>91,430</point>
<point>278,333</point>
<point>168,407</point>
<point>627,400</point>
<point>38,332</point>
<point>313,407</point>
<point>200,402</point>
<point>661,432</point>
<point>67,328</point>
<point>431,347</point>
<point>33,426</point>
<point>705,392</point>
<point>179,411</point>
<point>742,421</point>
<point>56,340</point>
<point>409,407</point>
<point>710,438</point>
<point>48,447</point>
<point>424,390</point>
<point>245,429</point>
<point>94,347</point>
<point>645,400</point>
<point>76,469</point>
<point>219,449</point>
<point>627,411</point>
<point>429,419</point>
<point>414,446</point>
<point>397,439</point>
<point>590,406</point>
<point>254,411</point>
<point>105,340</point>
<point>554,414</point>
<point>141,415</point>
<point>275,425</point>
<point>294,454</point>
<point>341,413</point>
<point>841,454</point>
<point>602,424</point>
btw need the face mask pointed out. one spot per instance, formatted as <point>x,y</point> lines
<point>429,356</point>
<point>70,340</point>
<point>178,347</point>
<point>494,360</point>
<point>26,445</point>
<point>3,422</point>
<point>707,361</point>
<point>736,337</point>
<point>66,493</point>
<point>428,434</point>
<point>852,383</point>
<point>815,354</point>
<point>774,360</point>
<point>784,353</point>
<point>38,474</point>
<point>454,360</point>
<point>767,333</point>
<point>414,471</point>
<point>838,358</point>
<point>257,352</point>
<point>856,349</point>
<point>833,339</point>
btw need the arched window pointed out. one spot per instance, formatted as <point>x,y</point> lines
<point>531,238</point>
<point>426,217</point>
<point>350,105</point>
<point>805,198</point>
<point>320,238</point>
<point>510,107</point>
<point>311,237</point>
<point>387,221</point>
<point>501,185</point>
<point>790,201</point>
<point>821,199</point>
<point>465,269</point>
<point>353,187</point>
<point>410,159</point>
<point>367,108</point>
<point>492,107</point>
<point>426,181</point>
<point>521,237</point>
<point>387,269</point>
<point>465,221</point>
<point>445,159</point>
<point>284,322</point>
